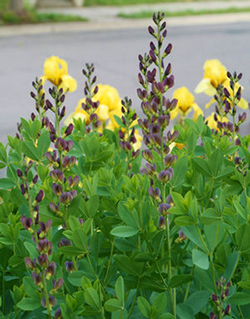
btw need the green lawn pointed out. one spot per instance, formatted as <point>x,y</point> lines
<point>130,2</point>
<point>8,17</point>
<point>148,14</point>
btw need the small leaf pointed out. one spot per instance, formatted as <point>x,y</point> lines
<point>92,298</point>
<point>29,304</point>
<point>144,306</point>
<point>240,299</point>
<point>113,305</point>
<point>179,280</point>
<point>119,289</point>
<point>124,231</point>
<point>184,221</point>
<point>200,259</point>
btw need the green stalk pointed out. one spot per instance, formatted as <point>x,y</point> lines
<point>46,294</point>
<point>110,260</point>
<point>134,300</point>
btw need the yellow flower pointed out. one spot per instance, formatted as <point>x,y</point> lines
<point>214,74</point>
<point>185,103</point>
<point>109,96</point>
<point>56,71</point>
<point>68,83</point>
<point>137,144</point>
<point>210,121</point>
<point>103,112</point>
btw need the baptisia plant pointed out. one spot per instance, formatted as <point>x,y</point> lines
<point>92,226</point>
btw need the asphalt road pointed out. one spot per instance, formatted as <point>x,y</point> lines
<point>115,55</point>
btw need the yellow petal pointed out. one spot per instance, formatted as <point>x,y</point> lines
<point>54,68</point>
<point>206,87</point>
<point>243,104</point>
<point>185,99</point>
<point>210,103</point>
<point>174,113</point>
<point>103,112</point>
<point>197,111</point>
<point>68,83</point>
<point>109,96</point>
<point>137,144</point>
<point>211,122</point>
<point>215,72</point>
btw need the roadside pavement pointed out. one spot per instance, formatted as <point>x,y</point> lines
<point>101,18</point>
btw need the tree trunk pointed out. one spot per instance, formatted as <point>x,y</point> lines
<point>17,6</point>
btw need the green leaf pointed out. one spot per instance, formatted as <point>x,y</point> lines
<point>75,278</point>
<point>166,316</point>
<point>144,306</point>
<point>198,300</point>
<point>209,216</point>
<point>179,280</point>
<point>43,143</point>
<point>180,169</point>
<point>243,237</point>
<point>204,278</point>
<point>72,251</point>
<point>113,305</point>
<point>184,311</point>
<point>29,286</point>
<point>93,205</point>
<point>128,265</point>
<point>192,234</point>
<point>144,257</point>
<point>239,299</point>
<point>80,239</point>
<point>160,303</point>
<point>200,259</point>
<point>29,304</point>
<point>124,231</point>
<point>119,289</point>
<point>202,166</point>
<point>127,215</point>
<point>6,183</point>
<point>231,263</point>
<point>92,298</point>
<point>215,162</point>
<point>31,151</point>
<point>184,221</point>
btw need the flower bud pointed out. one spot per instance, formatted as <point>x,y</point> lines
<point>43,260</point>
<point>69,266</point>
<point>51,270</point>
<point>19,173</point>
<point>161,222</point>
<point>64,242</point>
<point>69,129</point>
<point>40,196</point>
<point>163,209</point>
<point>27,222</point>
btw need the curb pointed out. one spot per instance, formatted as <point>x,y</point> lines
<point>118,23</point>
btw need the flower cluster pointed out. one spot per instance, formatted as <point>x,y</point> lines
<point>219,299</point>
<point>157,110</point>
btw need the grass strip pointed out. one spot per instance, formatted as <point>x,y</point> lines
<point>33,17</point>
<point>89,3</point>
<point>184,13</point>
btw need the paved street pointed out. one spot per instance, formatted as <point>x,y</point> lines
<point>115,53</point>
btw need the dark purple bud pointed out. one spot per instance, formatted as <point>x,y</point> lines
<point>214,297</point>
<point>32,94</point>
<point>226,93</point>
<point>32,116</point>
<point>152,55</point>
<point>140,79</point>
<point>66,198</point>
<point>147,155</point>
<point>37,279</point>
<point>163,209</point>
<point>57,285</point>
<point>73,181</point>
<point>48,104</point>
<point>168,70</point>
<point>227,310</point>
<point>168,49</point>
<point>57,189</point>
<point>69,146</point>
<point>242,117</point>
<point>227,107</point>
<point>166,175</point>
<point>57,175</point>
<point>27,222</point>
<point>169,81</point>
<point>43,261</point>
<point>64,242</point>
<point>52,302</point>
<point>19,173</point>
<point>151,30</point>
<point>40,196</point>
<point>30,264</point>
<point>170,160</point>
<point>35,179</point>
<point>23,189</point>
<point>229,75</point>
<point>69,266</point>
<point>121,135</point>
<point>58,314</point>
<point>62,98</point>
<point>239,76</point>
<point>155,193</point>
<point>44,246</point>
<point>45,228</point>
<point>164,34</point>
<point>161,222</point>
<point>51,128</point>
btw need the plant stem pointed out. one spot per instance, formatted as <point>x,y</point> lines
<point>110,260</point>
<point>134,300</point>
<point>172,301</point>
<point>46,294</point>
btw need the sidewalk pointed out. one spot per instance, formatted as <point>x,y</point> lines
<point>105,18</point>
